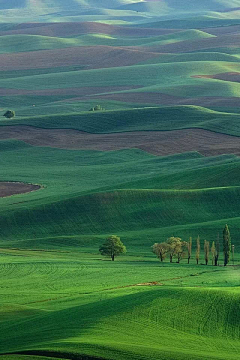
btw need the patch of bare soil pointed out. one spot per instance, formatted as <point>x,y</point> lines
<point>229,76</point>
<point>225,40</point>
<point>91,57</point>
<point>80,92</point>
<point>79,28</point>
<point>153,283</point>
<point>160,143</point>
<point>163,99</point>
<point>143,98</point>
<point>223,30</point>
<point>13,188</point>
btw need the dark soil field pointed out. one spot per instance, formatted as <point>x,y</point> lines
<point>81,91</point>
<point>155,142</point>
<point>93,57</point>
<point>78,28</point>
<point>13,188</point>
<point>164,99</point>
<point>231,76</point>
<point>198,45</point>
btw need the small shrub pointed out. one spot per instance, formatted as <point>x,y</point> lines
<point>9,114</point>
<point>97,108</point>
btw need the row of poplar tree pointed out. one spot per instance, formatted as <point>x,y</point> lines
<point>175,247</point>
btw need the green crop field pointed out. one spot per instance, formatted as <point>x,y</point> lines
<point>127,123</point>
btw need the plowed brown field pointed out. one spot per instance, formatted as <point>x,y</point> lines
<point>13,188</point>
<point>229,76</point>
<point>223,30</point>
<point>79,28</point>
<point>163,99</point>
<point>93,57</point>
<point>154,142</point>
<point>198,45</point>
<point>82,91</point>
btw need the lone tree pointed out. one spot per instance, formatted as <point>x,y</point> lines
<point>161,250</point>
<point>226,244</point>
<point>206,251</point>
<point>9,114</point>
<point>198,249</point>
<point>112,247</point>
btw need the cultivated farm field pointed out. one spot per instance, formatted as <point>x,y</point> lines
<point>111,310</point>
<point>127,123</point>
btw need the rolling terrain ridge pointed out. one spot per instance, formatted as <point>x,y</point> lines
<point>127,123</point>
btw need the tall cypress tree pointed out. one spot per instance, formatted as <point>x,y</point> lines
<point>226,244</point>
<point>217,251</point>
<point>198,249</point>
<point>189,249</point>
<point>206,251</point>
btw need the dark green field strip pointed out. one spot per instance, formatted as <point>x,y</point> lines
<point>155,118</point>
<point>33,72</point>
<point>163,76</point>
<point>198,178</point>
<point>27,357</point>
<point>122,212</point>
<point>26,43</point>
<point>47,355</point>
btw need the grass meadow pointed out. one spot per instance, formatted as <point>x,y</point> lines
<point>87,305</point>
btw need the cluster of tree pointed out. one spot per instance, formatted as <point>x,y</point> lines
<point>175,247</point>
<point>97,108</point>
<point>9,114</point>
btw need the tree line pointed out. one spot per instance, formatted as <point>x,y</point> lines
<point>175,247</point>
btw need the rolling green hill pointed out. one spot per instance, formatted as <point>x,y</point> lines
<point>147,206</point>
<point>126,10</point>
<point>167,75</point>
<point>22,43</point>
<point>162,118</point>
<point>103,316</point>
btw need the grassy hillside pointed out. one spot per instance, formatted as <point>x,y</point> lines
<point>76,60</point>
<point>198,307</point>
<point>178,79</point>
<point>124,9</point>
<point>23,42</point>
<point>163,118</point>
<point>62,211</point>
<point>155,67</point>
